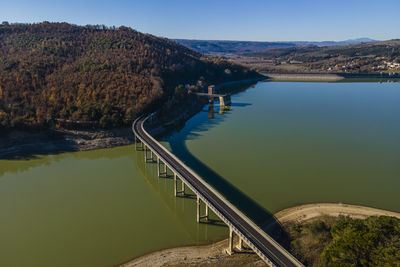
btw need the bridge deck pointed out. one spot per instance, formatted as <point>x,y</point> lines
<point>267,248</point>
<point>212,95</point>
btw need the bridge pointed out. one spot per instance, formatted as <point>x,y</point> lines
<point>239,224</point>
<point>224,99</point>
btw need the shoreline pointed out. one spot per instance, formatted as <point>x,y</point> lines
<point>309,77</point>
<point>26,144</point>
<point>214,254</point>
<point>326,77</point>
<point>21,144</point>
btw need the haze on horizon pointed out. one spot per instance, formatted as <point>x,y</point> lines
<point>253,20</point>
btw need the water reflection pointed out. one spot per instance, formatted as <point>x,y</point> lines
<point>182,208</point>
<point>195,129</point>
<point>24,163</point>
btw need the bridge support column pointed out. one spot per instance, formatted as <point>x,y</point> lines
<point>165,171</point>
<point>159,173</point>
<point>158,166</point>
<point>221,102</point>
<point>176,191</point>
<point>136,143</point>
<point>199,217</point>
<point>175,185</point>
<point>146,158</point>
<point>182,188</point>
<point>240,244</point>
<point>229,250</point>
<point>198,209</point>
<point>135,139</point>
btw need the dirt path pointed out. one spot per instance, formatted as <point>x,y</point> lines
<point>214,254</point>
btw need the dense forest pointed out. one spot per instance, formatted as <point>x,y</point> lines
<point>53,73</point>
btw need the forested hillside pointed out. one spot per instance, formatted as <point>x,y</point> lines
<point>220,47</point>
<point>375,57</point>
<point>57,72</point>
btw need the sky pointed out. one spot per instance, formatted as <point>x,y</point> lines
<point>251,20</point>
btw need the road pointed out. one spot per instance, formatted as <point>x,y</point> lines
<point>256,238</point>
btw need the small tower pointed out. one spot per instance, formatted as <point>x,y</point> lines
<point>211,89</point>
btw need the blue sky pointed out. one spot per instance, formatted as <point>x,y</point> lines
<point>256,20</point>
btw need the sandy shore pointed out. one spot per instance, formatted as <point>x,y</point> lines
<point>214,254</point>
<point>313,211</point>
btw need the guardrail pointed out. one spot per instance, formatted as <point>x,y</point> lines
<point>243,236</point>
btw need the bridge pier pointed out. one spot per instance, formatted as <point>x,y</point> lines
<point>165,170</point>
<point>239,246</point>
<point>136,143</point>
<point>261,243</point>
<point>224,101</point>
<point>147,159</point>
<point>158,166</point>
<point>229,250</point>
<point>199,217</point>
<point>175,185</point>
<point>164,173</point>
<point>176,191</point>
<point>159,173</point>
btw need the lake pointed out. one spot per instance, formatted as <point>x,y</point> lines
<point>280,144</point>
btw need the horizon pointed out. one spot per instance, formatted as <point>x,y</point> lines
<point>255,20</point>
<point>194,39</point>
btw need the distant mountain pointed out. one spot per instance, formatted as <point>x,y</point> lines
<point>334,43</point>
<point>219,47</point>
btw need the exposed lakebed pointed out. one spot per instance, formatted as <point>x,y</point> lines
<point>279,145</point>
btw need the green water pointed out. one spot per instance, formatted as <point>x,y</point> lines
<point>289,143</point>
<point>279,145</point>
<point>95,208</point>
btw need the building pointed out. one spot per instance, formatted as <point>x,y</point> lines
<point>211,89</point>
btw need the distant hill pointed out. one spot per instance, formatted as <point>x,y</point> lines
<point>335,43</point>
<point>215,47</point>
<point>218,47</point>
<point>52,72</point>
<point>374,57</point>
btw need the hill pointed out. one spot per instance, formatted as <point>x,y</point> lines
<point>218,47</point>
<point>93,75</point>
<point>372,57</point>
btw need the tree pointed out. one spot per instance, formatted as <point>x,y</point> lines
<point>374,241</point>
<point>180,91</point>
<point>52,71</point>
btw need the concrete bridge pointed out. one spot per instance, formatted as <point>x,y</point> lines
<point>224,99</point>
<point>239,224</point>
